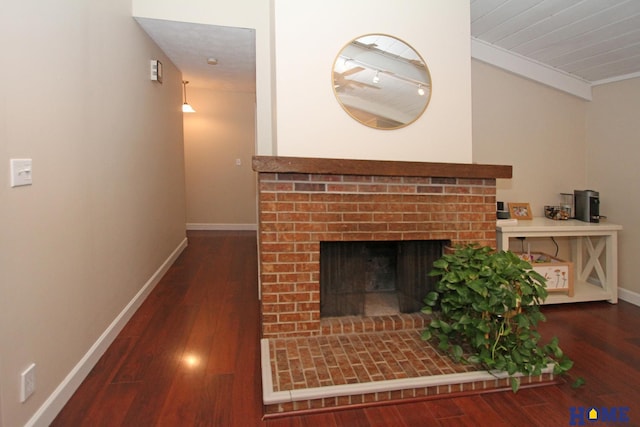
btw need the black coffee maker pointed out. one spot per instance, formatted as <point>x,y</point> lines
<point>587,204</point>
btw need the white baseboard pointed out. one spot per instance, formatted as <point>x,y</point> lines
<point>56,401</point>
<point>629,296</point>
<point>221,227</point>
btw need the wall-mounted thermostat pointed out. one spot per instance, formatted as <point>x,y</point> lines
<point>156,70</point>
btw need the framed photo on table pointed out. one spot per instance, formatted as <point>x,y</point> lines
<point>520,211</point>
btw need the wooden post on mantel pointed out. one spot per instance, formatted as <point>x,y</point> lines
<point>276,164</point>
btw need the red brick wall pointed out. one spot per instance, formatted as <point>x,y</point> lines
<point>298,211</point>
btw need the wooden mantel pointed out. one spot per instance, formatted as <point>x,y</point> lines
<point>378,167</point>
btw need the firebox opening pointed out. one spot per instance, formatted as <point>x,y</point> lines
<point>373,278</point>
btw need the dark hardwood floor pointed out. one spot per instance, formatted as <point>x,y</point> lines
<point>190,357</point>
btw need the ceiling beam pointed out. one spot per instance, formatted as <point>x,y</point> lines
<point>530,69</point>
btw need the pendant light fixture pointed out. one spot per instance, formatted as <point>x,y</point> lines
<point>420,90</point>
<point>186,108</point>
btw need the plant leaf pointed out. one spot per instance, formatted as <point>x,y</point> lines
<point>579,382</point>
<point>523,321</point>
<point>445,327</point>
<point>432,296</point>
<point>474,359</point>
<point>566,364</point>
<point>456,351</point>
<point>515,384</point>
<point>441,263</point>
<point>465,319</point>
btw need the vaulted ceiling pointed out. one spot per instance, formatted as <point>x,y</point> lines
<point>594,40</point>
<point>567,44</point>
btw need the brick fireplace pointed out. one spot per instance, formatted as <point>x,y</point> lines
<point>306,201</point>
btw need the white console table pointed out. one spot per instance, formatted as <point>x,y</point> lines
<point>594,252</point>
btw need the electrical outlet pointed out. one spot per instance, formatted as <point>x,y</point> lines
<point>28,382</point>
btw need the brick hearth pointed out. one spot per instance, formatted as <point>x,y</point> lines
<point>305,201</point>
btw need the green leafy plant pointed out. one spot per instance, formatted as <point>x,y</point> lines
<point>485,310</point>
<point>579,382</point>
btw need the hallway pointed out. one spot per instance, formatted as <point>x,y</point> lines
<point>190,355</point>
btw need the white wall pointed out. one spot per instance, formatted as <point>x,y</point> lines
<point>613,150</point>
<point>220,193</point>
<point>106,207</point>
<point>538,130</point>
<point>311,123</point>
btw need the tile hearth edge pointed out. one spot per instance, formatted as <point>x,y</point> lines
<point>270,397</point>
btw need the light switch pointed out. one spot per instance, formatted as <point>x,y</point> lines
<point>20,172</point>
<point>238,162</point>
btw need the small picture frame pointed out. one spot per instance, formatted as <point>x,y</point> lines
<point>520,211</point>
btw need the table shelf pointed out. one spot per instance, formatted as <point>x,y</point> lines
<point>594,253</point>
